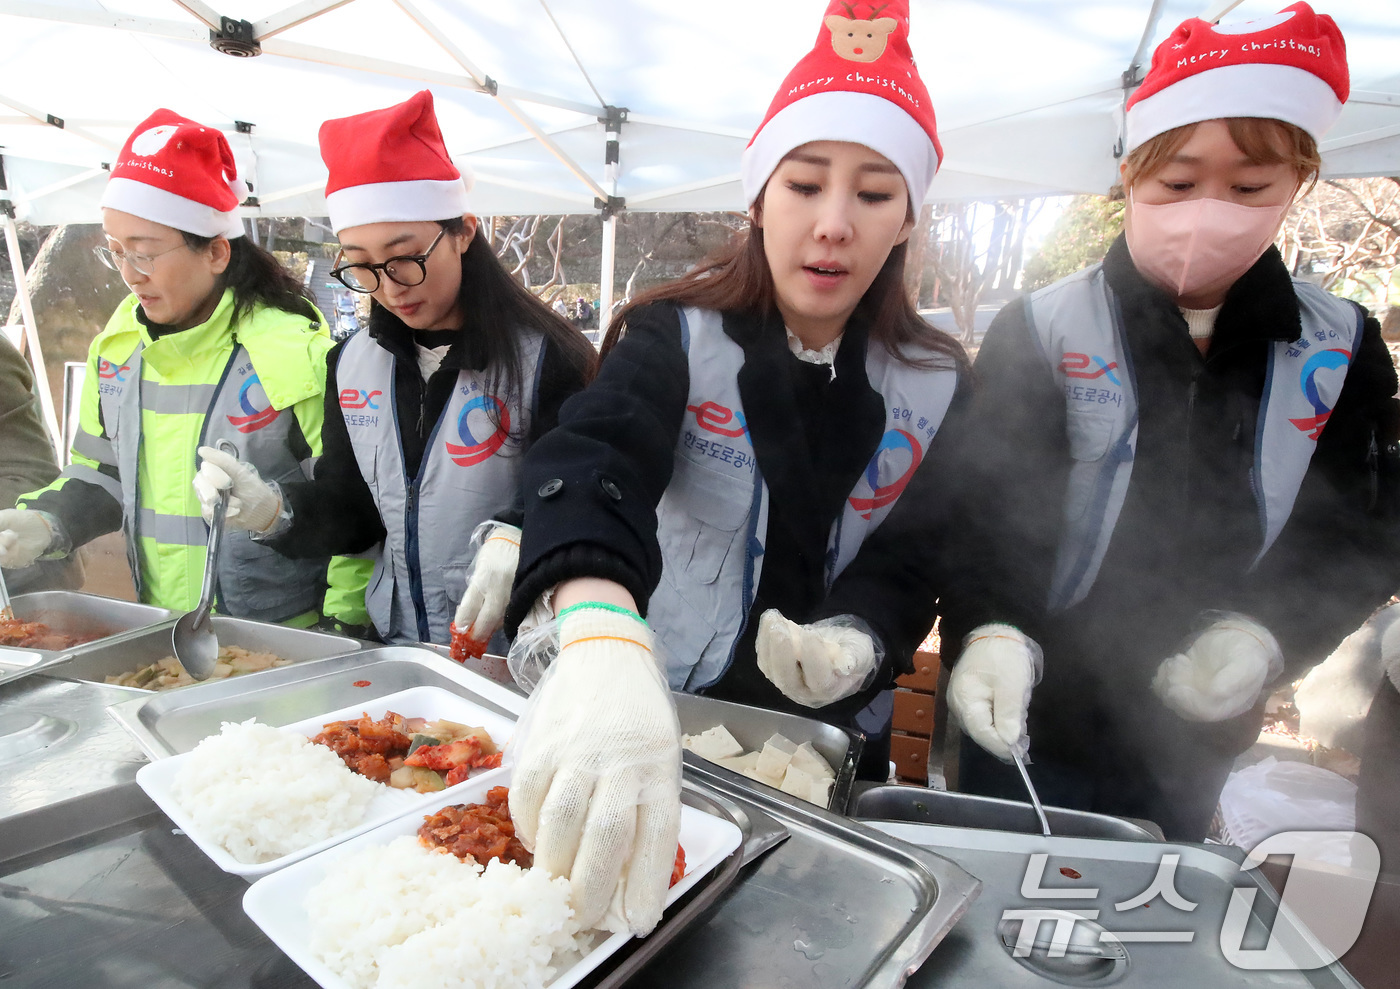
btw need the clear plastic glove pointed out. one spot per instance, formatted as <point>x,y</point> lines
<point>818,664</point>
<point>597,769</point>
<point>1222,672</point>
<point>990,688</point>
<point>483,607</point>
<point>253,504</point>
<point>24,537</point>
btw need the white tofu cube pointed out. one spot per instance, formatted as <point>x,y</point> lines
<point>820,793</point>
<point>744,764</point>
<point>714,744</point>
<point>797,783</point>
<point>773,760</point>
<point>810,761</point>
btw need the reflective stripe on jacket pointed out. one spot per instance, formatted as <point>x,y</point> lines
<point>469,473</point>
<point>148,404</point>
<point>1078,325</point>
<point>712,521</point>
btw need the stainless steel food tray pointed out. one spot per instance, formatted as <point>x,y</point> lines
<point>95,661</point>
<point>920,805</point>
<point>73,613</point>
<point>836,904</point>
<point>752,726</point>
<point>56,743</point>
<point>974,955</point>
<point>101,890</point>
<point>167,723</point>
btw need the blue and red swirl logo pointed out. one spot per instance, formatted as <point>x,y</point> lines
<point>1322,396</point>
<point>1089,366</point>
<point>715,418</point>
<point>888,473</point>
<point>258,411</point>
<point>109,371</point>
<point>485,417</point>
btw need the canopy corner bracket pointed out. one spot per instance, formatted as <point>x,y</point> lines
<point>235,37</point>
<point>610,207</point>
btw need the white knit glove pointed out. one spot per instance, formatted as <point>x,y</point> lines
<point>483,607</point>
<point>252,504</point>
<point>24,537</point>
<point>1222,672</point>
<point>1390,652</point>
<point>597,770</point>
<point>990,688</point>
<point>815,664</point>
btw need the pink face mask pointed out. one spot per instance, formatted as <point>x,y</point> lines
<point>1192,245</point>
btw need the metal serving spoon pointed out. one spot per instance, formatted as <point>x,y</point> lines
<point>195,643</point>
<point>1030,788</point>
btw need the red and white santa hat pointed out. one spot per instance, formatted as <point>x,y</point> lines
<point>391,165</point>
<point>1291,66</point>
<point>175,171</point>
<point>857,84</point>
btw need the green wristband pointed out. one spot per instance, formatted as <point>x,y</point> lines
<point>601,606</point>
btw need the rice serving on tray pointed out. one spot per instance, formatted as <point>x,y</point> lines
<point>261,792</point>
<point>401,916</point>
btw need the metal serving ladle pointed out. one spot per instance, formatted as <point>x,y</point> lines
<point>195,643</point>
<point>1030,788</point>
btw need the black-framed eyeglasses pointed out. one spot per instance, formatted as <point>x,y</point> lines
<point>407,270</point>
<point>143,263</point>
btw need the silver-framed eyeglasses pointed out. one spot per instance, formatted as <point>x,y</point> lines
<point>407,270</point>
<point>143,263</point>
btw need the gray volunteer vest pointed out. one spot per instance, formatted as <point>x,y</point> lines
<point>470,472</point>
<point>713,519</point>
<point>1079,326</point>
<point>254,581</point>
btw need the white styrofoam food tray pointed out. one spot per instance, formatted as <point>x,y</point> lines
<point>432,703</point>
<point>277,903</point>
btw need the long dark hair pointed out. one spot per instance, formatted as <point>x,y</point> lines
<point>496,308</point>
<point>737,278</point>
<point>257,277</point>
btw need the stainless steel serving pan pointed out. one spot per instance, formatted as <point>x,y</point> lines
<point>96,661</point>
<point>977,954</point>
<point>56,742</point>
<point>174,721</point>
<point>919,805</point>
<point>72,613</point>
<point>836,904</point>
<point>752,726</point>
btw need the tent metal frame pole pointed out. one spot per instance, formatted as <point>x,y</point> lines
<point>506,103</point>
<point>47,118</point>
<point>607,265</point>
<point>1218,9</point>
<point>31,329</point>
<point>289,17</point>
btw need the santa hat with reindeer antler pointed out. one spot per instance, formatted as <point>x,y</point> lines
<point>857,84</point>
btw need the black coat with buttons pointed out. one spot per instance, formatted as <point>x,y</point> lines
<point>592,487</point>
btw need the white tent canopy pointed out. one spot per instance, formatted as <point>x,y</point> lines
<point>531,94</point>
<point>1026,90</point>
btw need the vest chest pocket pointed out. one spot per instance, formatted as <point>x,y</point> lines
<point>702,513</point>
<point>1090,435</point>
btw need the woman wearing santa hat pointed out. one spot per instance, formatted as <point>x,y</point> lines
<point>216,342</point>
<point>728,509</point>
<point>428,412</point>
<point>1183,458</point>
